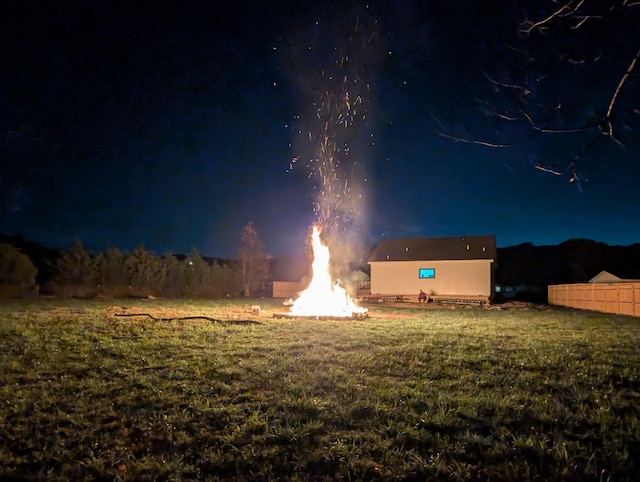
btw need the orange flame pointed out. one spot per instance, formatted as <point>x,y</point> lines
<point>323,297</point>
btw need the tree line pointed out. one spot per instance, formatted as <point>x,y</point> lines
<point>78,272</point>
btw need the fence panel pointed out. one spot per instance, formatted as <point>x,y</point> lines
<point>625,300</point>
<point>552,294</point>
<point>589,297</point>
<point>613,305</point>
<point>618,298</point>
<point>600,297</point>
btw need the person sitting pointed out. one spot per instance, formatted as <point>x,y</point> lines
<point>422,297</point>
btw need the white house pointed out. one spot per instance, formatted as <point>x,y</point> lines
<point>445,267</point>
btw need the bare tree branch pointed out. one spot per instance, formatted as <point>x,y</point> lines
<point>472,141</point>
<point>605,123</point>
<point>584,18</point>
<point>524,90</point>
<point>565,10</point>
<point>542,168</point>
<point>560,130</point>
<point>624,78</point>
<point>566,47</point>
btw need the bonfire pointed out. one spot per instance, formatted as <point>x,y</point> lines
<point>324,297</point>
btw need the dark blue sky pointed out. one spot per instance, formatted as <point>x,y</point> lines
<point>173,124</point>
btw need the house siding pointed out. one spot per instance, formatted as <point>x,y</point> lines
<point>453,277</point>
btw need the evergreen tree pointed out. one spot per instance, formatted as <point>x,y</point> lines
<point>111,272</point>
<point>143,268</point>
<point>76,273</point>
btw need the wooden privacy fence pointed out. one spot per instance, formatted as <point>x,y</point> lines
<point>619,298</point>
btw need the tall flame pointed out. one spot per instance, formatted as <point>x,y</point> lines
<point>323,297</point>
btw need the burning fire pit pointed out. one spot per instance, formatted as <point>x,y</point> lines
<point>323,299</point>
<point>354,316</point>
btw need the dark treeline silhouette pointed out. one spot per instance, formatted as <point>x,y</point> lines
<point>573,261</point>
<point>27,268</point>
<point>529,269</point>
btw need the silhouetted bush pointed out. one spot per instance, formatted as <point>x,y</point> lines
<point>17,273</point>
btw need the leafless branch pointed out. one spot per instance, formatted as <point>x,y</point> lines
<point>472,141</point>
<point>505,116</point>
<point>560,130</point>
<point>569,15</point>
<point>583,18</point>
<point>624,78</point>
<point>522,89</point>
<point>542,168</point>
<point>491,111</point>
<point>566,10</point>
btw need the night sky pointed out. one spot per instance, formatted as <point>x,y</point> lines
<point>172,124</point>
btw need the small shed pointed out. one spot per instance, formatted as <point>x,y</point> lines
<point>455,268</point>
<point>287,273</point>
<point>606,277</point>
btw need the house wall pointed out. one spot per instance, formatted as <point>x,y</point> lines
<point>455,277</point>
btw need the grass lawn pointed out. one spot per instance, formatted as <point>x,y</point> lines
<point>409,394</point>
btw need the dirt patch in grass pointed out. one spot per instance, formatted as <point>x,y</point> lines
<point>384,314</point>
<point>520,305</point>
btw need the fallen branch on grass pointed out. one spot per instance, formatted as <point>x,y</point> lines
<point>198,317</point>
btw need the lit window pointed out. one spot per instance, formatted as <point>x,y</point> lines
<point>426,273</point>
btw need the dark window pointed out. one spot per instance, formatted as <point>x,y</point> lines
<point>426,273</point>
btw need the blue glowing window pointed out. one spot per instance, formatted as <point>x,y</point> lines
<point>426,273</point>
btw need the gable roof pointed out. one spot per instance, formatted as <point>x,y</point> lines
<point>605,277</point>
<point>436,249</point>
